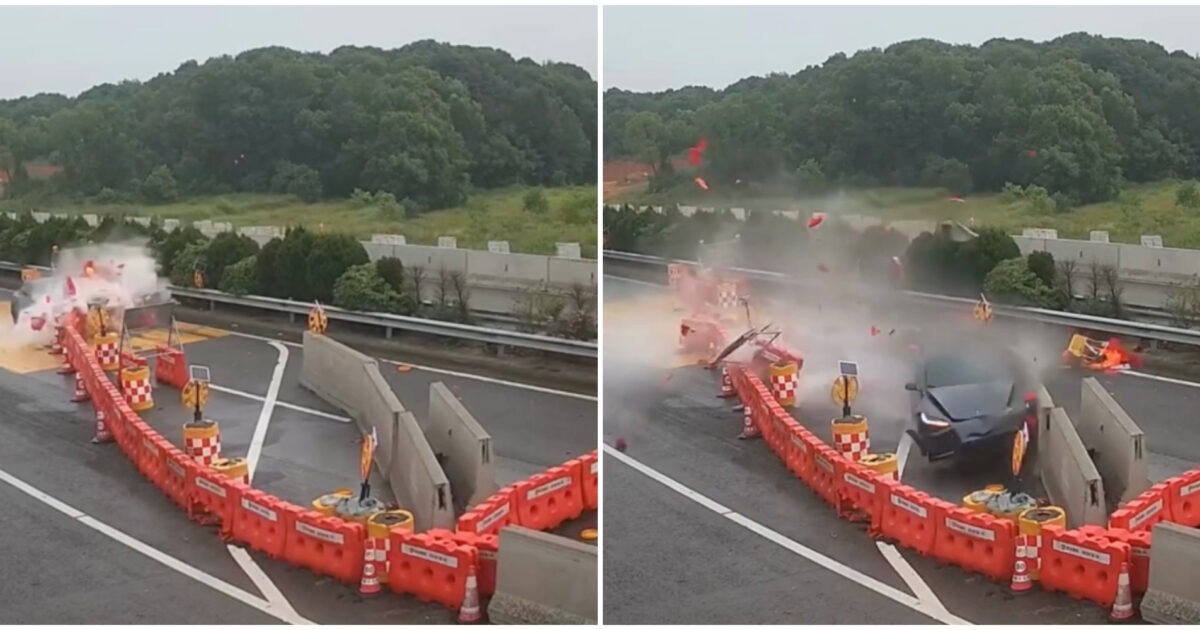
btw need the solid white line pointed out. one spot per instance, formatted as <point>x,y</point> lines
<point>264,416</point>
<point>243,559</point>
<point>187,570</point>
<point>910,576</point>
<point>903,450</point>
<point>474,377</point>
<point>285,405</point>
<point>854,575</point>
<point>1164,379</point>
<point>260,579</point>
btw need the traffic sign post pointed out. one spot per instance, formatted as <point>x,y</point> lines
<point>195,392</point>
<point>845,386</point>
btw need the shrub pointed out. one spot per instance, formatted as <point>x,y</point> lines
<point>328,258</point>
<point>535,202</point>
<point>190,258</point>
<point>1013,282</point>
<point>226,249</point>
<point>240,277</point>
<point>362,288</point>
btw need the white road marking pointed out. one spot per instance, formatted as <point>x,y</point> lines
<point>473,377</point>
<point>936,612</point>
<point>243,559</point>
<point>1164,379</point>
<point>264,416</point>
<point>910,577</point>
<point>902,452</point>
<point>187,570</point>
<point>285,405</point>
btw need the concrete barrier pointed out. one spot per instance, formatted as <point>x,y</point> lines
<point>351,381</point>
<point>1173,594</point>
<point>1117,440</point>
<point>464,446</point>
<point>543,579</point>
<point>1069,475</point>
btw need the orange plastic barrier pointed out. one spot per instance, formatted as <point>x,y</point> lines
<point>170,366</point>
<point>590,469</point>
<point>486,546</point>
<point>1084,567</point>
<point>1142,512</point>
<point>827,473</point>
<point>150,460</point>
<point>260,521</point>
<point>489,516</point>
<point>976,542</point>
<point>1139,551</point>
<point>179,478</point>
<point>548,498</point>
<point>863,491</point>
<point>799,453</point>
<point>1183,498</point>
<point>323,544</point>
<point>213,496</point>
<point>433,568</point>
<point>909,517</point>
<point>780,423</point>
<point>139,432</point>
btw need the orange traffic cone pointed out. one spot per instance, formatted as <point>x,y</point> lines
<point>81,393</point>
<point>469,613</point>
<point>748,428</point>
<point>66,367</point>
<point>1021,580</point>
<point>369,585</point>
<point>1122,609</point>
<point>726,384</point>
<point>102,434</point>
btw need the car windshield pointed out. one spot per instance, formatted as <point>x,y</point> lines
<point>958,369</point>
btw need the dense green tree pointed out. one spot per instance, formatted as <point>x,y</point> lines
<point>425,123</point>
<point>224,250</point>
<point>1075,116</point>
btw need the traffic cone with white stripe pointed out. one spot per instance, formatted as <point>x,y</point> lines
<point>469,612</point>
<point>81,393</point>
<point>369,585</point>
<point>67,367</point>
<point>726,384</point>
<point>1022,582</point>
<point>102,433</point>
<point>1122,609</point>
<point>748,429</point>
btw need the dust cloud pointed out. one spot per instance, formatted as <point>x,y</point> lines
<point>126,273</point>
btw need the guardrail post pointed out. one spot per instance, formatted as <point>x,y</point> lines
<point>291,318</point>
<point>388,333</point>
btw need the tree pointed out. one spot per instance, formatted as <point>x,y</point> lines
<point>1013,282</point>
<point>1041,264</point>
<point>223,251</point>
<point>392,272</point>
<point>159,185</point>
<point>240,277</point>
<point>361,288</point>
<point>189,260</point>
<point>329,257</point>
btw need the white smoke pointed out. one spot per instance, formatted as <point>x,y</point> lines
<point>125,274</point>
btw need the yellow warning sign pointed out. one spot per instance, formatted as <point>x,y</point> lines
<point>844,390</point>
<point>30,273</point>
<point>318,323</point>
<point>983,310</point>
<point>1020,440</point>
<point>195,394</point>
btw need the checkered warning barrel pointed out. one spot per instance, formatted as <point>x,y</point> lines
<point>137,388</point>
<point>107,354</point>
<point>727,296</point>
<point>882,464</point>
<point>202,441</point>
<point>235,468</point>
<point>675,272</point>
<point>1030,524</point>
<point>850,437</point>
<point>785,379</point>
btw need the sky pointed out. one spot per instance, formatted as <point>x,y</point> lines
<point>70,49</point>
<point>659,48</point>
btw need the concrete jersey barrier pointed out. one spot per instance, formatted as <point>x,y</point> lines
<point>464,445</point>
<point>350,380</point>
<point>1119,442</point>
<point>544,579</point>
<point>1070,476</point>
<point>1173,594</point>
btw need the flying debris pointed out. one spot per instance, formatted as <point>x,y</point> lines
<point>817,219</point>
<point>702,184</point>
<point>696,153</point>
<point>956,199</point>
<point>1031,153</point>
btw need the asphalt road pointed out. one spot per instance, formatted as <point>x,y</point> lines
<point>90,541</point>
<point>673,556</point>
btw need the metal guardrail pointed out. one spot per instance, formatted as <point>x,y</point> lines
<point>1122,327</point>
<point>387,321</point>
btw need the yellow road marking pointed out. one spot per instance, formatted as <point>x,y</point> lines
<point>27,360</point>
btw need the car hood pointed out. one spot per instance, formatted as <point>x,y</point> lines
<point>961,402</point>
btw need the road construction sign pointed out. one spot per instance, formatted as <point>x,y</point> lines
<point>844,390</point>
<point>30,273</point>
<point>198,279</point>
<point>983,310</point>
<point>318,323</point>
<point>1020,445</point>
<point>195,395</point>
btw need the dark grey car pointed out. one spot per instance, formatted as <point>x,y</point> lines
<point>969,396</point>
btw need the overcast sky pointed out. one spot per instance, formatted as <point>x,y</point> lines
<point>658,48</point>
<point>70,49</point>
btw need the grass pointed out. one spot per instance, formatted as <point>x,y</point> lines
<point>1141,209</point>
<point>488,215</point>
